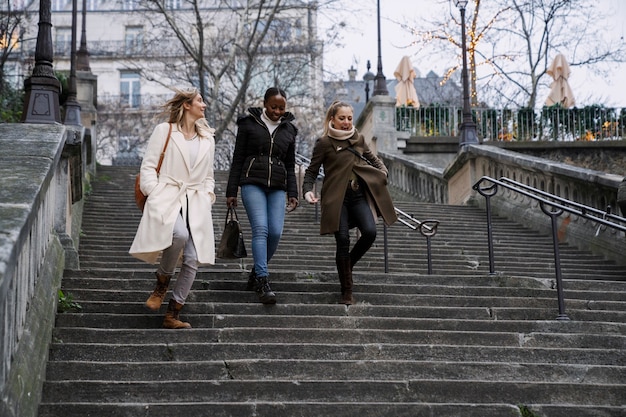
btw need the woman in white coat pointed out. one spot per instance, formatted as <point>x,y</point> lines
<point>177,215</point>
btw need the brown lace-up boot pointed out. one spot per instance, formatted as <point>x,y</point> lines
<point>156,298</point>
<point>171,320</point>
<point>344,270</point>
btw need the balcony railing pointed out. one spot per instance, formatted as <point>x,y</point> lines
<point>548,124</point>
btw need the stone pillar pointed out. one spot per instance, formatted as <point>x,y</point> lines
<point>621,197</point>
<point>384,136</point>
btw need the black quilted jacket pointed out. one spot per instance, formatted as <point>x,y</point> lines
<point>263,159</point>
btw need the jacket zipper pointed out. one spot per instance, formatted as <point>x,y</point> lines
<point>269,173</point>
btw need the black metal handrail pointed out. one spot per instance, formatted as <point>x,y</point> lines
<point>551,205</point>
<point>427,228</point>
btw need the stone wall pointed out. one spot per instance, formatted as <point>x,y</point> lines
<point>40,218</point>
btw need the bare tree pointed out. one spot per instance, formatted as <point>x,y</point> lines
<point>510,44</point>
<point>233,51</point>
<point>13,18</point>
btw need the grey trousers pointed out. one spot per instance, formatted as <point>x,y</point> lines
<point>181,241</point>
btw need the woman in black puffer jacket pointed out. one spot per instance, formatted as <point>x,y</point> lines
<point>263,166</point>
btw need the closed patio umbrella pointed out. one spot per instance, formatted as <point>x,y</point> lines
<point>405,89</point>
<point>560,91</point>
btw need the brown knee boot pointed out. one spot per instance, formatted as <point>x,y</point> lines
<point>156,298</point>
<point>171,320</point>
<point>344,270</point>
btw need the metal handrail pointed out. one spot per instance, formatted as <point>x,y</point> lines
<point>427,228</point>
<point>551,205</point>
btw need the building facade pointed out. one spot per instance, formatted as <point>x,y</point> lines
<point>232,51</point>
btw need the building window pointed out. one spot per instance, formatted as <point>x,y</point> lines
<point>92,4</point>
<point>58,5</point>
<point>133,39</point>
<point>63,40</point>
<point>129,4</point>
<point>173,4</point>
<point>130,94</point>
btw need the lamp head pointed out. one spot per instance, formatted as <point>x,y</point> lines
<point>461,4</point>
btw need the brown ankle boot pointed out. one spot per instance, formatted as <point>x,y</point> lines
<point>156,298</point>
<point>344,270</point>
<point>171,320</point>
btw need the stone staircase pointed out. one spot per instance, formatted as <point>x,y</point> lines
<point>458,342</point>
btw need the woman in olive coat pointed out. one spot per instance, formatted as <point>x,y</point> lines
<point>354,191</point>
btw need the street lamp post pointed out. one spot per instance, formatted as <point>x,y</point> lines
<point>468,127</point>
<point>367,78</point>
<point>72,107</point>
<point>380,85</point>
<point>42,88</point>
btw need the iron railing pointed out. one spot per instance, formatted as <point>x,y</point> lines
<point>427,228</point>
<point>554,123</point>
<point>551,205</point>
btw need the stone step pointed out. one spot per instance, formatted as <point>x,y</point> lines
<point>332,370</point>
<point>220,278</point>
<point>357,391</point>
<point>210,351</point>
<point>327,408</point>
<point>258,334</point>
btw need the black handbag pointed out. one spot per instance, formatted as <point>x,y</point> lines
<point>231,244</point>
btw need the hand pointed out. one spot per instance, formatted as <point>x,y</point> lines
<point>231,202</point>
<point>292,204</point>
<point>310,197</point>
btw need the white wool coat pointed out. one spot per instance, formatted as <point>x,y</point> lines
<point>178,188</point>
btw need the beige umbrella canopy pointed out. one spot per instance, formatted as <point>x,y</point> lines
<point>405,89</point>
<point>560,91</point>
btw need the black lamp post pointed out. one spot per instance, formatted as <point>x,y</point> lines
<point>72,107</point>
<point>468,127</point>
<point>42,88</point>
<point>380,86</point>
<point>82,56</point>
<point>369,76</point>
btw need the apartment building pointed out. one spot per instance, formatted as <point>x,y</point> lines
<point>230,49</point>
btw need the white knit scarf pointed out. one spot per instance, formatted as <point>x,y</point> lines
<point>339,134</point>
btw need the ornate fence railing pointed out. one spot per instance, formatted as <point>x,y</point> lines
<point>554,123</point>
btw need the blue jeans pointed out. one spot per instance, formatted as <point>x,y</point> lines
<point>266,213</point>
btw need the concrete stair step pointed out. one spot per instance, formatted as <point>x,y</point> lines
<point>325,408</point>
<point>357,391</point>
<point>332,370</point>
<point>342,335</point>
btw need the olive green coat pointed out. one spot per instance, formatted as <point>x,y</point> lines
<point>338,163</point>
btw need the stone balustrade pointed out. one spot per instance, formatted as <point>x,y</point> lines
<point>40,223</point>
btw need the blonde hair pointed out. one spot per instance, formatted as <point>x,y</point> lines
<point>332,111</point>
<point>175,110</point>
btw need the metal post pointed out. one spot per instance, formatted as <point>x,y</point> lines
<point>82,56</point>
<point>468,127</point>
<point>42,88</point>
<point>488,192</point>
<point>72,107</point>
<point>554,213</point>
<point>367,78</point>
<point>386,248</point>
<point>380,86</point>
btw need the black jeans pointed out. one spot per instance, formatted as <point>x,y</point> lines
<point>355,212</point>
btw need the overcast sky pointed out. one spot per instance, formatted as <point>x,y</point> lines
<point>360,44</point>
